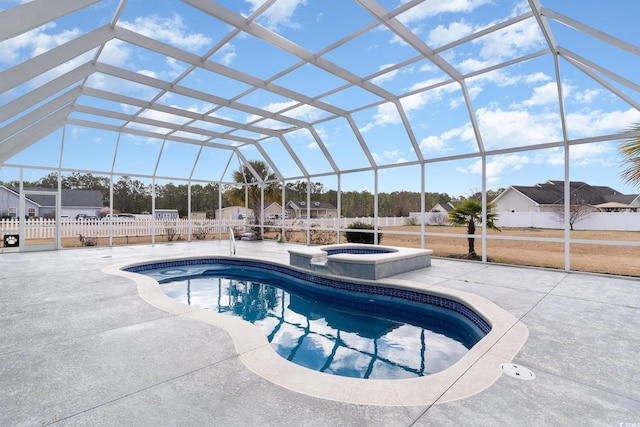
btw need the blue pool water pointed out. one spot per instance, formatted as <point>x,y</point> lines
<point>341,332</point>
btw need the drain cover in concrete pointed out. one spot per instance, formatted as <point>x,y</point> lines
<point>517,371</point>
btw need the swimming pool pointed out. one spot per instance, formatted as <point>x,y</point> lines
<point>474,372</point>
<point>371,332</point>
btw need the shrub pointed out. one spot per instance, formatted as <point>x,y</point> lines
<point>360,237</point>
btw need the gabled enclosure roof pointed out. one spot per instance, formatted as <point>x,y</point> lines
<point>312,88</point>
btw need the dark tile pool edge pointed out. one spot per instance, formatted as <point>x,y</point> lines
<point>347,285</point>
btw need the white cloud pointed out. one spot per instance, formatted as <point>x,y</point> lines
<point>47,76</point>
<point>543,95</point>
<point>442,35</point>
<point>507,43</point>
<point>433,143</point>
<point>598,122</point>
<point>583,155</point>
<point>500,77</point>
<point>169,30</point>
<point>226,54</point>
<point>587,96</point>
<point>34,43</point>
<point>274,107</point>
<point>279,14</point>
<point>516,128</point>
<point>176,67</point>
<point>116,53</point>
<point>200,108</point>
<point>473,64</point>
<point>474,91</point>
<point>426,83</point>
<point>502,129</point>
<point>148,73</point>
<point>419,100</point>
<point>388,156</point>
<point>588,154</point>
<point>387,114</point>
<point>536,77</point>
<point>385,77</point>
<point>498,165</point>
<point>432,8</point>
<point>110,83</point>
<point>302,112</point>
<point>439,143</point>
<point>128,108</point>
<point>553,157</point>
<point>164,117</point>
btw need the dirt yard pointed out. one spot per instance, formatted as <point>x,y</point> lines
<point>589,257</point>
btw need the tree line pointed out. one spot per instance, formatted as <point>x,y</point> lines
<point>134,196</point>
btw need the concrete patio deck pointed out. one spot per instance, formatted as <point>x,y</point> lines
<point>81,347</point>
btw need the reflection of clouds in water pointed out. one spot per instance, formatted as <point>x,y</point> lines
<point>356,341</point>
<point>201,292</point>
<point>320,344</point>
<point>296,318</point>
<point>322,337</point>
<point>286,337</point>
<point>382,370</point>
<point>404,346</point>
<point>349,362</point>
<point>267,325</point>
<point>313,352</point>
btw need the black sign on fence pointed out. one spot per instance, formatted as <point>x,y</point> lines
<point>11,240</point>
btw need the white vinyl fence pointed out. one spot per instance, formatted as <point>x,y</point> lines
<point>46,228</point>
<point>611,221</point>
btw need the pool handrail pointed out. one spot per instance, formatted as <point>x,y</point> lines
<point>232,242</point>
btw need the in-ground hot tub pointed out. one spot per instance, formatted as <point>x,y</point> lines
<point>361,261</point>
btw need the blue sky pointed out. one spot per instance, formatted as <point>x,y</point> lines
<point>514,106</point>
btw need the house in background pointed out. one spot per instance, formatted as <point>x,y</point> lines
<point>549,196</point>
<point>299,210</point>
<point>198,215</point>
<point>234,212</point>
<point>274,211</point>
<point>73,202</point>
<point>442,207</point>
<point>166,214</point>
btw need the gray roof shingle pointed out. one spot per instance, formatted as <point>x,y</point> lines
<point>552,193</point>
<point>69,198</point>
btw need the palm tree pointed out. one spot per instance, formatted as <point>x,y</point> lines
<point>244,176</point>
<point>468,213</point>
<point>630,151</point>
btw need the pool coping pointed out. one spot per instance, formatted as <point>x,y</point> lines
<point>473,373</point>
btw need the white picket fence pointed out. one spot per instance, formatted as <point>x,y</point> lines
<point>41,228</point>
<point>46,228</point>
